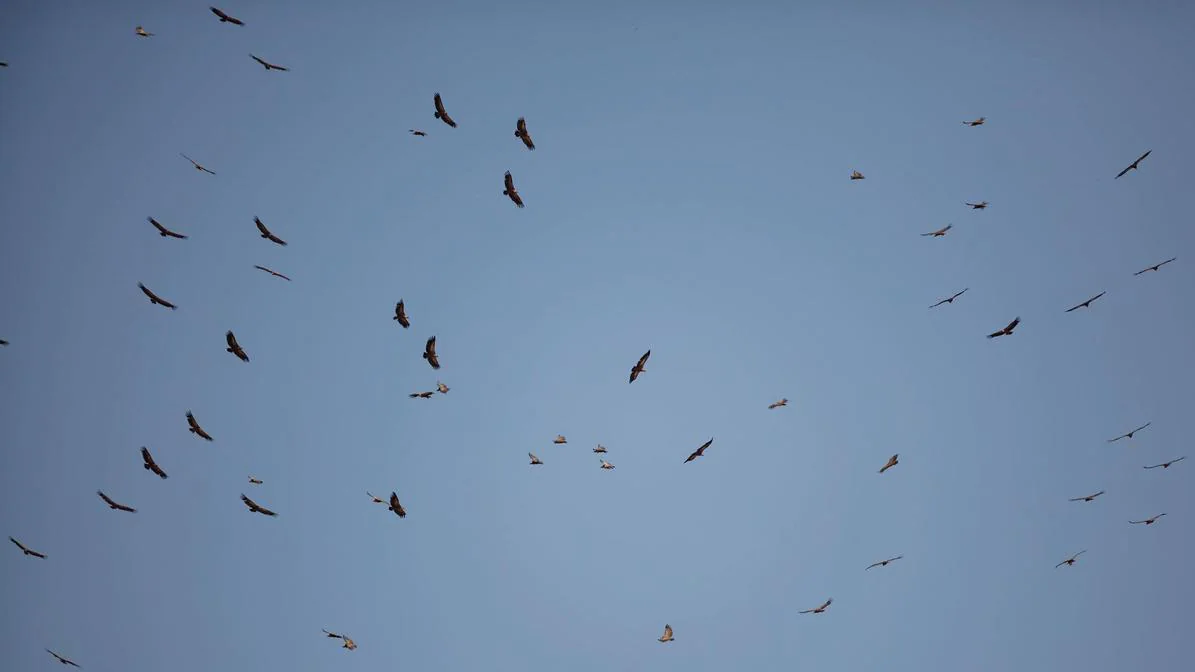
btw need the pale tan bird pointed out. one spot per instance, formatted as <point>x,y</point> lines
<point>892,462</point>
<point>348,641</point>
<point>1166,465</point>
<point>975,122</point>
<point>778,404</point>
<point>667,636</point>
<point>821,609</point>
<point>375,498</point>
<point>534,459</point>
<point>255,481</point>
<point>1147,521</point>
<point>1071,560</point>
<point>606,465</point>
<point>940,232</point>
<point>141,32</point>
<point>856,175</point>
<point>1086,498</point>
<point>441,387</point>
<point>599,449</point>
<point>26,550</point>
<point>559,439</point>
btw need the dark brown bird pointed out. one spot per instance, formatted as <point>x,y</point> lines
<point>951,299</point>
<point>778,404</point>
<point>26,550</point>
<point>272,272</point>
<point>522,134</point>
<point>255,507</point>
<point>141,32</point>
<point>640,366</point>
<point>1147,521</point>
<point>976,122</point>
<point>699,452</point>
<point>940,232</point>
<point>422,395</point>
<point>163,231</point>
<point>884,563</point>
<point>348,642</point>
<point>3,342</point>
<point>429,353</point>
<point>224,18</point>
<point>441,114</point>
<point>150,464</point>
<point>375,498</point>
<point>856,175</point>
<point>1155,266</point>
<point>1071,560</point>
<point>196,429</point>
<point>1006,331</point>
<point>1133,165</point>
<point>534,459</point>
<point>396,506</point>
<point>1086,498</point>
<point>1166,465</point>
<point>155,299</point>
<point>821,609</point>
<point>400,314</point>
<point>418,133</point>
<point>195,163</point>
<point>64,661</point>
<point>892,462</point>
<point>268,66</point>
<point>234,347</point>
<point>511,191</point>
<point>1085,304</point>
<point>255,481</point>
<point>1129,435</point>
<point>982,205</point>
<point>265,233</point>
<point>113,505</point>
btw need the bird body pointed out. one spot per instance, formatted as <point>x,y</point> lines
<point>778,404</point>
<point>234,347</point>
<point>1133,165</point>
<point>940,232</point>
<point>699,452</point>
<point>639,366</point>
<point>155,299</point>
<point>429,353</point>
<point>510,191</point>
<point>667,636</point>
<point>892,462</point>
<point>884,563</point>
<point>194,428</point>
<point>225,18</point>
<point>26,550</point>
<point>818,610</point>
<point>396,506</point>
<point>254,507</point>
<point>1006,331</point>
<point>150,464</point>
<point>272,272</point>
<point>441,114</point>
<point>1071,560</point>
<point>265,233</point>
<point>400,314</point>
<point>534,459</point>
<point>522,134</point>
<point>267,65</point>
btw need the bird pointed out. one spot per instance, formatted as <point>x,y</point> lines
<point>196,429</point>
<point>639,366</point>
<point>1129,435</point>
<point>64,661</point>
<point>267,65</point>
<point>892,462</point>
<point>224,18</point>
<point>441,114</point>
<point>141,32</point>
<point>396,506</point>
<point>1006,331</point>
<point>418,133</point>
<point>778,404</point>
<point>254,507</point>
<point>375,498</point>
<point>1086,498</point>
<point>234,347</point>
<point>265,233</point>
<point>534,459</point>
<point>1147,521</point>
<point>442,388</point>
<point>667,636</point>
<point>1166,465</point>
<point>821,609</point>
<point>429,353</point>
<point>599,448</point>
<point>856,175</point>
<point>982,205</point>
<point>3,342</point>
<point>1155,266</point>
<point>195,163</point>
<point>421,395</point>
<point>559,439</point>
<point>1133,165</point>
<point>163,231</point>
<point>155,299</point>
<point>150,464</point>
<point>26,550</point>
<point>114,505</point>
<point>951,299</point>
<point>522,134</point>
<point>976,122</point>
<point>255,481</point>
<point>348,642</point>
<point>1085,304</point>
<point>272,272</point>
<point>400,314</point>
<point>884,563</point>
<point>940,232</point>
<point>605,464</point>
<point>511,191</point>
<point>1071,560</point>
<point>699,452</point>
<point>3,64</point>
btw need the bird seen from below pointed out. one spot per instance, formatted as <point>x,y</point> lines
<point>225,18</point>
<point>951,299</point>
<point>976,122</point>
<point>1129,435</point>
<point>1147,521</point>
<point>892,462</point>
<point>442,388</point>
<point>1155,267</point>
<point>150,464</point>
<point>856,175</point>
<point>1166,465</point>
<point>940,232</point>
<point>700,452</point>
<point>195,429</point>
<point>155,299</point>
<point>400,314</point>
<point>778,404</point>
<point>639,366</point>
<point>254,507</point>
<point>510,190</point>
<point>198,166</point>
<point>534,460</point>
<point>1085,304</point>
<point>422,395</point>
<point>884,563</point>
<point>599,448</point>
<point>1134,165</point>
<point>234,347</point>
<point>605,464</point>
<point>559,440</point>
<point>265,233</point>
<point>255,481</point>
<point>1007,330</point>
<point>267,65</point>
<point>429,353</point>
<point>667,636</point>
<point>115,506</point>
<point>441,114</point>
<point>165,232</point>
<point>820,610</point>
<point>63,660</point>
<point>417,133</point>
<point>272,272</point>
<point>1071,560</point>
<point>374,498</point>
<point>348,641</point>
<point>26,550</point>
<point>396,506</point>
<point>141,32</point>
<point>1086,498</point>
<point>522,134</point>
<point>982,205</point>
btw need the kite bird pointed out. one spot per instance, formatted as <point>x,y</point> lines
<point>224,18</point>
<point>1129,435</point>
<point>1006,331</point>
<point>940,232</point>
<point>141,32</point>
<point>1155,266</point>
<point>150,464</point>
<point>982,205</point>
<point>429,353</point>
<point>64,661</point>
<point>975,122</point>
<point>699,452</point>
<point>163,231</point>
<point>442,388</point>
<point>267,65</point>
<point>441,114</point>
<point>1087,498</point>
<point>599,448</point>
<point>417,133</point>
<point>1085,304</point>
<point>400,314</point>
<point>639,366</point>
<point>114,505</point>
<point>155,299</point>
<point>778,404</point>
<point>255,481</point>
<point>821,609</point>
<point>26,550</point>
<point>348,641</point>
<point>272,272</point>
<point>234,347</point>
<point>1133,165</point>
<point>421,395</point>
<point>559,440</point>
<point>605,464</point>
<point>856,175</point>
<point>396,506</point>
<point>667,636</point>
<point>196,429</point>
<point>511,191</point>
<point>254,507</point>
<point>522,134</point>
<point>1069,562</point>
<point>265,233</point>
<point>1147,521</point>
<point>534,460</point>
<point>195,163</point>
<point>1166,465</point>
<point>951,299</point>
<point>892,462</point>
<point>884,563</point>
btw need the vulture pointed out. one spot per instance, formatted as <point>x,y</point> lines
<point>3,342</point>
<point>265,233</point>
<point>114,505</point>
<point>522,134</point>
<point>534,460</point>
<point>1133,165</point>
<point>1085,304</point>
<point>234,347</point>
<point>1166,465</point>
<point>511,191</point>
<point>606,465</point>
<point>976,122</point>
<point>978,206</point>
<point>272,272</point>
<point>26,550</point>
<point>1129,435</point>
<point>892,462</point>
<point>441,387</point>
<point>950,300</point>
<point>441,114</point>
<point>778,404</point>
<point>940,232</point>
<point>559,439</point>
<point>639,367</point>
<point>150,464</point>
<point>821,609</point>
<point>884,563</point>
<point>856,175</point>
<point>1155,266</point>
<point>375,498</point>
<point>667,636</point>
<point>1071,560</point>
<point>400,314</point>
<point>255,481</point>
<point>224,18</point>
<point>699,452</point>
<point>418,133</point>
<point>254,507</point>
<point>196,429</point>
<point>348,641</point>
<point>1086,498</point>
<point>163,231</point>
<point>141,32</point>
<point>1006,331</point>
<point>396,506</point>
<point>64,661</point>
<point>1147,521</point>
<point>599,448</point>
<point>267,65</point>
<point>195,163</point>
<point>421,395</point>
<point>429,353</point>
<point>155,299</point>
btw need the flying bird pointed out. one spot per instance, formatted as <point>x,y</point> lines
<point>150,464</point>
<point>821,609</point>
<point>976,122</point>
<point>224,18</point>
<point>441,114</point>
<point>441,387</point>
<point>605,464</point>
<point>141,32</point>
<point>778,404</point>
<point>522,134</point>
<point>155,299</point>
<point>1166,465</point>
<point>1133,165</point>
<point>940,232</point>
<point>856,175</point>
<point>699,452</point>
<point>255,481</point>
<point>114,505</point>
<point>348,642</point>
<point>1086,498</point>
<point>884,563</point>
<point>163,231</point>
<point>396,506</point>
<point>1071,560</point>
<point>3,342</point>
<point>400,314</point>
<point>1085,304</point>
<point>3,64</point>
<point>418,133</point>
<point>982,205</point>
<point>599,448</point>
<point>254,507</point>
<point>559,439</point>
<point>1147,521</point>
<point>511,191</point>
<point>234,347</point>
<point>667,636</point>
<point>429,353</point>
<point>1155,266</point>
<point>951,299</point>
<point>195,163</point>
<point>639,366</point>
<point>196,429</point>
<point>267,65</point>
<point>534,459</point>
<point>892,462</point>
<point>1006,331</point>
<point>26,550</point>
<point>421,395</point>
<point>1129,435</point>
<point>265,233</point>
<point>64,661</point>
<point>375,498</point>
<point>272,272</point>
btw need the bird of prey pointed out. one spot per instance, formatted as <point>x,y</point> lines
<point>884,563</point>
<point>265,233</point>
<point>400,314</point>
<point>821,609</point>
<point>234,347</point>
<point>950,300</point>
<point>856,175</point>
<point>534,459</point>
<point>1133,165</point>
<point>441,387</point>
<point>255,481</point>
<point>150,464</point>
<point>511,191</point>
<point>348,642</point>
<point>699,452</point>
<point>195,163</point>
<point>1006,331</point>
<point>375,498</point>
<point>141,32</point>
<point>1166,465</point>
<point>976,122</point>
<point>155,299</point>
<point>418,133</point>
<point>982,205</point>
<point>196,429</point>
<point>267,65</point>
<point>522,134</point>
<point>272,272</point>
<point>940,232</point>
<point>892,462</point>
<point>599,448</point>
<point>163,231</point>
<point>421,395</point>
<point>3,64</point>
<point>429,353</point>
<point>115,506</point>
<point>254,507</point>
<point>64,661</point>
<point>26,550</point>
<point>605,464</point>
<point>639,367</point>
<point>441,114</point>
<point>778,404</point>
<point>667,636</point>
<point>1085,304</point>
<point>3,342</point>
<point>1147,521</point>
<point>1129,435</point>
<point>1071,560</point>
<point>559,439</point>
<point>1086,498</point>
<point>1155,266</point>
<point>224,18</point>
<point>396,506</point>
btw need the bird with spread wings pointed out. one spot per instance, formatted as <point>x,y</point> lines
<point>254,507</point>
<point>195,429</point>
<point>265,233</point>
<point>667,636</point>
<point>1133,165</point>
<point>884,563</point>
<point>1129,435</point>
<point>1071,560</point>
<point>441,114</point>
<point>819,610</point>
<point>510,191</point>
<point>1086,498</point>
<point>522,134</point>
<point>115,506</point>
<point>951,299</point>
<point>150,464</point>
<point>267,65</point>
<point>640,366</point>
<point>429,353</point>
<point>163,231</point>
<point>26,550</point>
<point>700,452</point>
<point>234,347</point>
<point>154,298</point>
<point>197,165</point>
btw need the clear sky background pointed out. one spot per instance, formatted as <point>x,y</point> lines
<point>689,194</point>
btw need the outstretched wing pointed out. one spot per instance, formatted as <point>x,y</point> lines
<point>396,506</point>
<point>196,428</point>
<point>429,353</point>
<point>150,463</point>
<point>400,314</point>
<point>234,347</point>
<point>441,114</point>
<point>521,131</point>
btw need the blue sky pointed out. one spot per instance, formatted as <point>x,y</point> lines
<point>689,194</point>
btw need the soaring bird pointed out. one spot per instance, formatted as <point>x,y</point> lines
<point>1133,165</point>
<point>429,353</point>
<point>375,498</point>
<point>559,439</point>
<point>441,114</point>
<point>26,550</point>
<point>605,464</point>
<point>272,272</point>
<point>599,448</point>
<point>1086,498</point>
<point>141,32</point>
<point>64,661</point>
<point>3,64</point>
<point>441,387</point>
<point>348,642</point>
<point>1147,521</point>
<point>1085,304</point>
<point>155,299</point>
<point>699,452</point>
<point>884,563</point>
<point>667,636</point>
<point>224,18</point>
<point>1006,331</point>
<point>639,366</point>
<point>114,505</point>
<point>150,464</point>
<point>163,231</point>
<point>534,459</point>
<point>1166,465</point>
<point>267,65</point>
<point>856,175</point>
<point>1155,266</point>
<point>511,191</point>
<point>3,342</point>
<point>951,299</point>
<point>196,429</point>
<point>265,233</point>
<point>422,395</point>
<point>417,133</point>
<point>396,506</point>
<point>1071,560</point>
<point>400,314</point>
<point>940,232</point>
<point>195,163</point>
<point>1129,435</point>
<point>976,122</point>
<point>522,134</point>
<point>255,481</point>
<point>821,609</point>
<point>778,404</point>
<point>254,507</point>
<point>982,205</point>
<point>234,347</point>
<point>892,462</point>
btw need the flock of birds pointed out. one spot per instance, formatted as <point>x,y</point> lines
<point>432,357</point>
